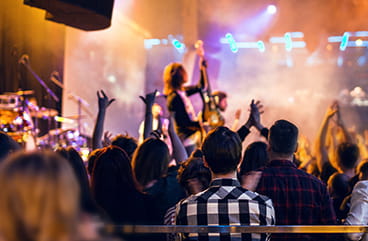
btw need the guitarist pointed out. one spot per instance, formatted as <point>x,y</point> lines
<point>214,102</point>
<point>187,126</point>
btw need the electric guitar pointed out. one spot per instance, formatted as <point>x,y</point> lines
<point>210,112</point>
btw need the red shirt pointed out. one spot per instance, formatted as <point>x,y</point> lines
<point>298,197</point>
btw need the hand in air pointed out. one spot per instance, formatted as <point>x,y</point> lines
<point>106,141</point>
<point>237,114</point>
<point>256,111</point>
<point>103,100</point>
<point>150,98</point>
<point>332,110</point>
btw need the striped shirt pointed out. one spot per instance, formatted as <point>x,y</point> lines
<point>225,202</point>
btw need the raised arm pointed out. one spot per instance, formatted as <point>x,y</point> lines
<point>321,153</point>
<point>103,103</point>
<point>148,100</point>
<point>254,119</point>
<point>346,137</point>
<point>236,120</point>
<point>179,152</point>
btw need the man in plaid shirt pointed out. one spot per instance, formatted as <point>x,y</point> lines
<point>225,202</point>
<point>299,198</point>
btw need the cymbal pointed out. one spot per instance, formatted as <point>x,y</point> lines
<point>64,119</point>
<point>21,92</point>
<point>44,112</point>
<point>75,117</point>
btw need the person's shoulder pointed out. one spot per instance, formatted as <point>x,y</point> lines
<point>361,186</point>
<point>198,197</point>
<point>254,196</point>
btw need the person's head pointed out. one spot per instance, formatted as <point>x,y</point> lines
<point>113,181</point>
<point>174,77</point>
<point>283,138</point>
<point>362,170</point>
<point>76,162</point>
<point>156,111</point>
<point>220,99</point>
<point>91,160</point>
<point>150,160</point>
<point>347,155</point>
<point>222,150</point>
<point>338,185</point>
<point>7,145</point>
<point>125,142</point>
<point>197,153</point>
<point>112,169</point>
<point>194,176</point>
<point>255,156</point>
<point>39,198</point>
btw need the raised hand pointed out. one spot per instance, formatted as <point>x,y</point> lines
<point>256,109</point>
<point>106,141</point>
<point>103,100</point>
<point>332,110</point>
<point>237,114</point>
<point>150,98</point>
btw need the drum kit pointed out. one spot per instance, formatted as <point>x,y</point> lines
<point>19,118</point>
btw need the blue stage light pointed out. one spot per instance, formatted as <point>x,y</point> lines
<point>232,43</point>
<point>288,42</point>
<point>344,41</point>
<point>261,46</point>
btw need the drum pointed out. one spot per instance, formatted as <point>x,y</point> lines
<point>10,102</point>
<point>61,138</point>
<point>13,120</point>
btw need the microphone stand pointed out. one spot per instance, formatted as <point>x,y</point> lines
<point>81,102</point>
<point>25,62</point>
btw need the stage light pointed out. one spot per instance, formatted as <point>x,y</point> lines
<point>271,9</point>
<point>361,61</point>
<point>344,41</point>
<point>288,42</point>
<point>359,42</point>
<point>177,44</point>
<point>180,47</point>
<point>231,41</point>
<point>340,61</point>
<point>261,46</point>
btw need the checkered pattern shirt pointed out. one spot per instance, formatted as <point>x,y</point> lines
<point>225,202</point>
<point>299,198</point>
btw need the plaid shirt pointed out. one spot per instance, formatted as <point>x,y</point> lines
<point>225,202</point>
<point>299,198</point>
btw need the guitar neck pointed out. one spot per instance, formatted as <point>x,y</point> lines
<point>205,78</point>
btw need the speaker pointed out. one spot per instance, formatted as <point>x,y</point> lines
<point>87,15</point>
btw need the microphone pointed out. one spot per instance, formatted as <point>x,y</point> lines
<point>55,78</point>
<point>24,59</point>
<point>78,99</point>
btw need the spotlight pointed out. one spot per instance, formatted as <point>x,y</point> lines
<point>344,41</point>
<point>359,42</point>
<point>271,9</point>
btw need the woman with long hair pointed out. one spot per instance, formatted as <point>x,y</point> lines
<point>116,190</point>
<point>158,178</point>
<point>39,198</point>
<point>187,126</point>
<point>72,156</point>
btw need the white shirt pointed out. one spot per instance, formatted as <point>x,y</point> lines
<point>358,214</point>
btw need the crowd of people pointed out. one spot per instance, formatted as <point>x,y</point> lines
<point>187,174</point>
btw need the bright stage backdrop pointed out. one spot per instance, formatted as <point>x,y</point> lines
<point>112,60</point>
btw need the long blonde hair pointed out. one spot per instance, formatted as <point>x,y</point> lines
<point>39,198</point>
<point>173,77</point>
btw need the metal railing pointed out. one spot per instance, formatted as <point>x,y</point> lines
<point>129,229</point>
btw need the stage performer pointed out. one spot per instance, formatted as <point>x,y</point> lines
<point>187,126</point>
